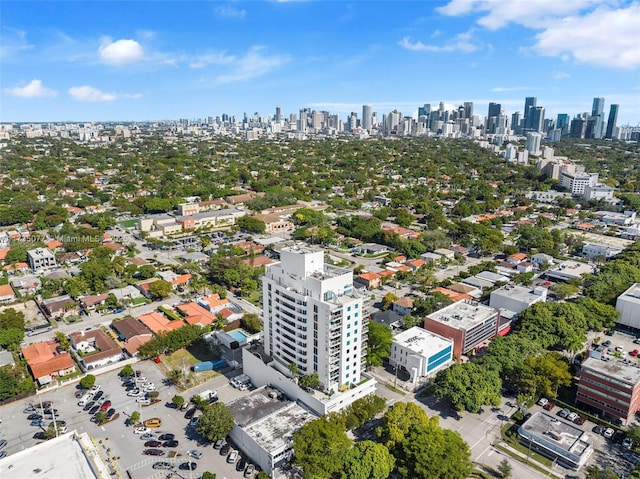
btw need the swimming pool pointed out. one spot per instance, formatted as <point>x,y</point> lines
<point>238,335</point>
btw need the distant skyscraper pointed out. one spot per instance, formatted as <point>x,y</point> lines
<point>611,123</point>
<point>424,110</point>
<point>597,112</point>
<point>494,109</point>
<point>533,143</point>
<point>536,118</point>
<point>468,109</point>
<point>562,123</point>
<point>529,103</point>
<point>516,120</point>
<point>278,114</point>
<point>367,117</point>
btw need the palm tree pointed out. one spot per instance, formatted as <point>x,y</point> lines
<point>574,344</point>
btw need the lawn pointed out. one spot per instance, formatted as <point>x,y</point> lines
<point>128,223</point>
<point>184,359</point>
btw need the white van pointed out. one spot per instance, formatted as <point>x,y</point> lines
<point>85,399</point>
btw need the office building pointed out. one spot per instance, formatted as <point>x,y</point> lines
<point>40,258</point>
<point>516,122</point>
<point>468,323</point>
<point>278,114</point>
<point>565,443</point>
<point>562,123</point>
<point>516,298</point>
<point>536,119</point>
<point>468,110</point>
<point>576,182</point>
<point>367,117</point>
<point>313,318</point>
<point>530,102</point>
<point>610,386</point>
<point>597,113</point>
<point>628,305</point>
<point>420,352</point>
<point>611,122</point>
<point>533,143</point>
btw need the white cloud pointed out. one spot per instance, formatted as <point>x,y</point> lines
<point>34,89</point>
<point>252,65</point>
<point>215,58</point>
<point>513,88</point>
<point>121,52</point>
<point>558,75</point>
<point>12,42</point>
<point>90,94</point>
<point>568,29</point>
<point>463,42</point>
<point>530,13</point>
<point>582,37</point>
<point>229,11</point>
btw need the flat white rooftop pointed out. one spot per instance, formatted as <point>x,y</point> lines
<point>71,456</point>
<point>632,294</point>
<point>627,373</point>
<point>569,269</point>
<point>520,293</point>
<point>420,341</point>
<point>464,314</point>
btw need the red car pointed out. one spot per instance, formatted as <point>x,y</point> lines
<point>634,352</point>
<point>105,405</point>
<point>549,406</point>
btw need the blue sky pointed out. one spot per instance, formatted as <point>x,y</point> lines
<point>124,60</point>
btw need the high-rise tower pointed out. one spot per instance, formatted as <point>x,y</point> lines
<point>530,102</point>
<point>313,318</point>
<point>597,113</point>
<point>611,122</point>
<point>367,117</point>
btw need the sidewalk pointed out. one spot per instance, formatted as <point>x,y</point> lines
<point>524,460</point>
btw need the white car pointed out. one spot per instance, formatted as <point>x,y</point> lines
<point>543,401</point>
<point>150,387</point>
<point>96,388</point>
<point>143,400</point>
<point>608,433</point>
<point>141,379</point>
<point>149,437</point>
<point>572,416</point>
<point>232,457</point>
<point>195,453</point>
<point>142,430</point>
<point>134,392</point>
<point>627,443</point>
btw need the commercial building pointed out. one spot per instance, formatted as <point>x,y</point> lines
<point>516,298</point>
<point>420,352</point>
<point>628,304</point>
<point>72,456</point>
<point>313,318</point>
<point>576,182</point>
<point>468,323</point>
<point>95,348</point>
<point>264,423</point>
<point>596,250</point>
<point>40,258</point>
<point>611,386</point>
<point>598,192</point>
<point>556,439</point>
<point>568,270</point>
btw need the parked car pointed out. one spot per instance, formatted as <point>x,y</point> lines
<point>172,443</point>
<point>149,387</point>
<point>598,429</point>
<point>190,413</point>
<point>627,443</point>
<point>3,454</point>
<point>232,457</point>
<point>219,443</point>
<point>189,466</point>
<point>94,409</point>
<point>571,416</point>
<point>241,464</point>
<point>89,405</point>
<point>3,443</point>
<point>153,422</point>
<point>33,417</point>
<point>105,405</point>
<point>110,413</point>
<point>194,421</point>
<point>549,406</point>
<point>162,465</point>
<point>608,433</point>
<point>143,400</point>
<point>37,422</point>
<point>579,420</point>
<point>153,452</point>
<point>248,472</point>
<point>133,392</point>
<point>607,343</point>
<point>543,401</point>
<point>636,341</point>
<point>98,395</point>
<point>194,453</point>
<point>149,436</point>
<point>563,412</point>
<point>167,437</point>
<point>29,410</point>
<point>141,430</point>
<point>152,443</point>
<point>224,450</point>
<point>95,388</point>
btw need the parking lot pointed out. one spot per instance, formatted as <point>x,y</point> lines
<point>116,440</point>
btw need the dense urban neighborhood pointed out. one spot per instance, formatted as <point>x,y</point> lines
<point>430,298</point>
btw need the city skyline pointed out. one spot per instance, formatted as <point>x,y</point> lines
<point>63,62</point>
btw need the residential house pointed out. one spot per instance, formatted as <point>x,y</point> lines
<point>59,307</point>
<point>415,264</point>
<point>7,294</point>
<point>213,303</point>
<point>454,296</point>
<point>541,260</point>
<point>403,306</point>
<point>144,286</point>
<point>89,303</point>
<point>95,348</point>
<point>257,261</point>
<point>195,314</point>
<point>40,258</point>
<point>133,333</point>
<point>48,361</point>
<point>389,318</point>
<point>159,323</point>
<point>516,258</point>
<point>368,280</point>
<point>446,253</point>
<point>275,223</point>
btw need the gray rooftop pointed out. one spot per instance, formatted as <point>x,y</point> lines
<point>464,314</point>
<point>521,293</point>
<point>628,373</point>
<point>260,403</point>
<point>633,293</point>
<point>560,436</point>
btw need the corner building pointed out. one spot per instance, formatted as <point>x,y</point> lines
<point>313,318</point>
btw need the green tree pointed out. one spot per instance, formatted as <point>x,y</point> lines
<point>88,381</point>
<point>216,422</point>
<point>505,469</point>
<point>542,375</point>
<point>367,460</point>
<point>134,418</point>
<point>362,410</point>
<point>388,300</point>
<point>379,343</point>
<point>251,224</point>
<point>430,452</point>
<point>53,431</point>
<point>160,289</point>
<point>251,322</point>
<point>63,340</point>
<point>468,386</point>
<point>101,417</point>
<point>127,371</point>
<point>309,382</point>
<point>397,421</point>
<point>293,369</point>
<point>10,318</point>
<point>14,381</point>
<point>564,291</point>
<point>146,271</point>
<point>262,475</point>
<point>177,400</point>
<point>11,338</point>
<point>209,475</point>
<point>320,448</point>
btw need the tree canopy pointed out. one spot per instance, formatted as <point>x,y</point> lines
<point>215,422</point>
